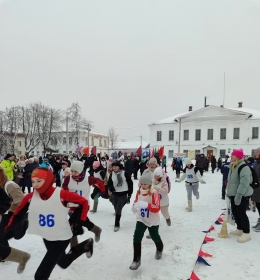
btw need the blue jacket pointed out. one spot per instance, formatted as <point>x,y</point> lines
<point>224,171</point>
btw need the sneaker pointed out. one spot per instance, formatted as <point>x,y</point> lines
<point>134,265</point>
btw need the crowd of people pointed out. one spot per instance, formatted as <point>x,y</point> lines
<point>63,186</point>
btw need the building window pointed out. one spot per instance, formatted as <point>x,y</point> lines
<point>222,153</point>
<point>19,153</point>
<point>223,134</point>
<point>19,143</point>
<point>86,141</point>
<point>38,153</point>
<point>253,153</point>
<point>159,136</point>
<point>64,141</point>
<point>170,154</point>
<point>185,152</point>
<point>100,142</point>
<point>197,152</point>
<point>92,141</point>
<point>186,134</point>
<point>76,141</point>
<point>210,134</point>
<point>105,143</point>
<point>171,135</point>
<point>197,134</point>
<point>255,132</point>
<point>70,141</point>
<point>236,133</point>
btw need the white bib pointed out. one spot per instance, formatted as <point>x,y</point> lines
<point>98,176</point>
<point>49,218</point>
<point>81,188</point>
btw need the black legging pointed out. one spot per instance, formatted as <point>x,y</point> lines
<point>257,205</point>
<point>28,188</point>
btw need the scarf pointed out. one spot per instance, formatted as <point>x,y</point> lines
<point>119,178</point>
<point>144,191</point>
<point>79,178</point>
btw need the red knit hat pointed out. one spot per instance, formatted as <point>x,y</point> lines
<point>96,164</point>
<point>239,153</point>
<point>46,175</point>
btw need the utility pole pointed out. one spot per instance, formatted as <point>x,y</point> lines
<point>179,142</point>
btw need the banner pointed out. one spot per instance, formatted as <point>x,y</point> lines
<point>191,154</point>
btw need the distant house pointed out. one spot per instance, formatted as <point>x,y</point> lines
<point>210,130</point>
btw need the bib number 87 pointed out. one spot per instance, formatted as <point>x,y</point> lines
<point>145,213</point>
<point>46,220</point>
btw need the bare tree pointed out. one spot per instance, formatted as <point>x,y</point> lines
<point>113,138</point>
<point>49,122</point>
<point>76,123</point>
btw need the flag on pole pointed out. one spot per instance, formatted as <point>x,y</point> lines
<point>139,151</point>
<point>94,150</point>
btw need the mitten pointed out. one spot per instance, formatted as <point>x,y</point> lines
<point>128,199</point>
<point>238,199</point>
<point>133,209</point>
<point>92,195</point>
<point>141,204</point>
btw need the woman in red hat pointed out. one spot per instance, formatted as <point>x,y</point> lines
<point>48,219</point>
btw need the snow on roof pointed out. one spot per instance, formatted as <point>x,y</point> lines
<point>171,119</point>
<point>255,113</point>
<point>130,144</point>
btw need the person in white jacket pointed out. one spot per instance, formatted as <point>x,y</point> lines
<point>192,178</point>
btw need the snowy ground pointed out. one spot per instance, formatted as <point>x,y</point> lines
<point>113,254</point>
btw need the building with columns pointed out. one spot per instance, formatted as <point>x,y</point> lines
<point>210,130</point>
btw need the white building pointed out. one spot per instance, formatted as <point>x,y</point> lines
<point>211,130</point>
<point>58,145</point>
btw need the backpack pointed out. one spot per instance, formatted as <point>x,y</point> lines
<point>255,182</point>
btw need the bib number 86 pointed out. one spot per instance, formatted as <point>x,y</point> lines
<point>145,213</point>
<point>46,220</point>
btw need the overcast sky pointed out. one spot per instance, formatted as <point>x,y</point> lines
<point>129,63</point>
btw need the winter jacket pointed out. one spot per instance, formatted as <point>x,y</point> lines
<point>129,167</point>
<point>192,175</point>
<point>225,170</point>
<point>201,162</point>
<point>15,193</point>
<point>26,180</point>
<point>178,164</point>
<point>7,166</point>
<point>162,189</point>
<point>163,161</point>
<point>239,184</point>
<point>213,163</point>
<point>5,202</point>
<point>256,195</point>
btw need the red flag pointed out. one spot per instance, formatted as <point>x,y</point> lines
<point>152,153</point>
<point>194,276</point>
<point>220,220</point>
<point>139,151</point>
<point>211,228</point>
<point>94,150</point>
<point>209,239</point>
<point>203,254</point>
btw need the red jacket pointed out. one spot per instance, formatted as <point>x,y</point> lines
<point>65,197</point>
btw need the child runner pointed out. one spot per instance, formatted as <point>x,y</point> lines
<point>48,219</point>
<point>64,165</point>
<point>193,177</point>
<point>121,186</point>
<point>146,207</point>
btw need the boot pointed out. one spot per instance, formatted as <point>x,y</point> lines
<point>244,238</point>
<point>257,223</point>
<point>168,221</point>
<point>137,256</point>
<point>117,223</point>
<point>97,231</point>
<point>189,208</point>
<point>237,232</point>
<point>198,196</point>
<point>178,176</point>
<point>83,247</point>
<point>94,210</point>
<point>74,241</point>
<point>18,257</point>
<point>159,250</point>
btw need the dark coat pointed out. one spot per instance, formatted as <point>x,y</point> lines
<point>213,163</point>
<point>26,180</point>
<point>136,164</point>
<point>256,195</point>
<point>129,166</point>
<point>201,162</point>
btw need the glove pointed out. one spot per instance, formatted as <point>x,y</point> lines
<point>203,182</point>
<point>238,199</point>
<point>92,195</point>
<point>177,181</point>
<point>140,205</point>
<point>128,199</point>
<point>133,209</point>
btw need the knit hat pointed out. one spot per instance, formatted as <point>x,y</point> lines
<point>8,156</point>
<point>146,178</point>
<point>64,163</point>
<point>31,159</point>
<point>153,160</point>
<point>158,172</point>
<point>239,153</point>
<point>188,161</point>
<point>251,159</point>
<point>77,166</point>
<point>67,170</point>
<point>96,164</point>
<point>46,175</point>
